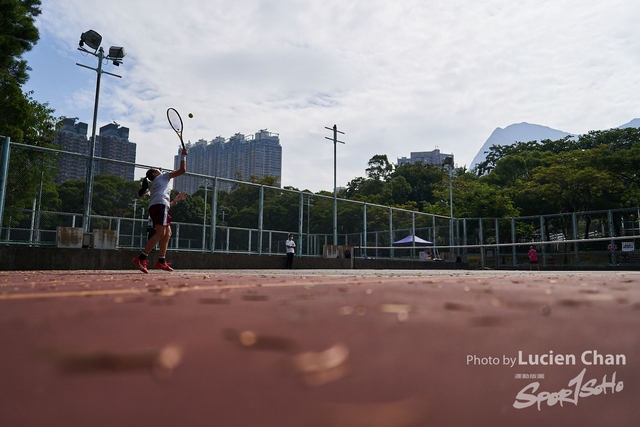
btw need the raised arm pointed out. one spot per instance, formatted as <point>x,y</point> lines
<point>183,165</point>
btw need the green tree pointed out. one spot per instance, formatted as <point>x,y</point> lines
<point>569,184</point>
<point>18,34</point>
<point>400,190</point>
<point>242,204</point>
<point>191,209</point>
<point>113,196</point>
<point>379,168</point>
<point>598,170</point>
<point>473,198</point>
<point>23,119</point>
<point>423,180</point>
<point>281,209</point>
<point>623,166</point>
<point>368,190</point>
<point>386,185</point>
<point>29,170</point>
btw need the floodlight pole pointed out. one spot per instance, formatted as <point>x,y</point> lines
<point>335,185</point>
<point>88,193</point>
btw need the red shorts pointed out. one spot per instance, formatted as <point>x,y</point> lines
<point>160,215</point>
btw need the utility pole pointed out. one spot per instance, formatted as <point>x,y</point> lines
<point>449,162</point>
<point>335,185</point>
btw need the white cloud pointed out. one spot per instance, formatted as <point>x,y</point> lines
<point>396,76</point>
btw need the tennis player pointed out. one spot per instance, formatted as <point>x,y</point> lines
<point>159,187</point>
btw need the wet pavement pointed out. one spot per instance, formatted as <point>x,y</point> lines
<point>319,348</point>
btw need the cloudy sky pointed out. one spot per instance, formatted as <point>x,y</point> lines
<point>395,75</point>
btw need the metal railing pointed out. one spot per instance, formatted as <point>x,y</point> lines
<point>605,237</point>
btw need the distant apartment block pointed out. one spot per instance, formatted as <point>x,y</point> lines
<point>434,157</point>
<point>72,138</point>
<point>238,158</point>
<point>111,143</point>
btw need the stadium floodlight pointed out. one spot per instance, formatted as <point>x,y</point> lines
<point>91,38</point>
<point>116,53</point>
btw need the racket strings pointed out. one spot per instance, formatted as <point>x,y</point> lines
<point>174,120</point>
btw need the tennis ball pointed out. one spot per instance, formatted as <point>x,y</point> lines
<point>191,115</point>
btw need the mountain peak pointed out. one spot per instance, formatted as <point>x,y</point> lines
<point>526,132</point>
<point>635,123</point>
<point>517,132</point>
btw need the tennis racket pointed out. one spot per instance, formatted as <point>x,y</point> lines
<point>176,123</point>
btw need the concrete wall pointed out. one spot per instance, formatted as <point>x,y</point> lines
<point>28,258</point>
<point>387,264</point>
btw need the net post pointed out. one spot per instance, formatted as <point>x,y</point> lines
<point>4,173</point>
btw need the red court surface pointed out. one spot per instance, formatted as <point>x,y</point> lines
<point>319,348</point>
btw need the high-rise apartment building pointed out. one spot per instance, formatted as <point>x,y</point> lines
<point>111,143</point>
<point>72,138</point>
<point>238,158</point>
<point>434,157</point>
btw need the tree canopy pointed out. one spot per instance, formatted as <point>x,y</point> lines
<point>18,34</point>
<point>22,118</point>
<point>598,170</point>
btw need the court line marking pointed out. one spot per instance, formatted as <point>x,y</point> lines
<point>159,291</point>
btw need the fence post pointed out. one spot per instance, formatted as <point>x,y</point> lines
<point>118,232</point>
<point>33,221</point>
<point>214,214</point>
<point>458,253</point>
<point>260,221</point>
<point>513,240</point>
<point>204,217</point>
<point>435,232</point>
<point>391,232</point>
<point>376,234</point>
<point>612,235</point>
<point>464,239</point>
<point>576,255</point>
<point>544,247</point>
<point>142,227</point>
<point>482,263</point>
<point>4,173</point>
<point>300,224</point>
<point>497,251</point>
<point>364,230</point>
<point>413,233</point>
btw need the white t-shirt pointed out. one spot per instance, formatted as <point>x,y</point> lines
<point>160,190</point>
<point>292,249</point>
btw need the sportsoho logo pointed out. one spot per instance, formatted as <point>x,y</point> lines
<point>577,387</point>
<point>576,390</point>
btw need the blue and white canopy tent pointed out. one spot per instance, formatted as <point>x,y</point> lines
<point>413,241</point>
<point>409,241</point>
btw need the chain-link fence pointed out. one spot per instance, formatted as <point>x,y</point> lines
<point>233,216</point>
<point>596,238</point>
